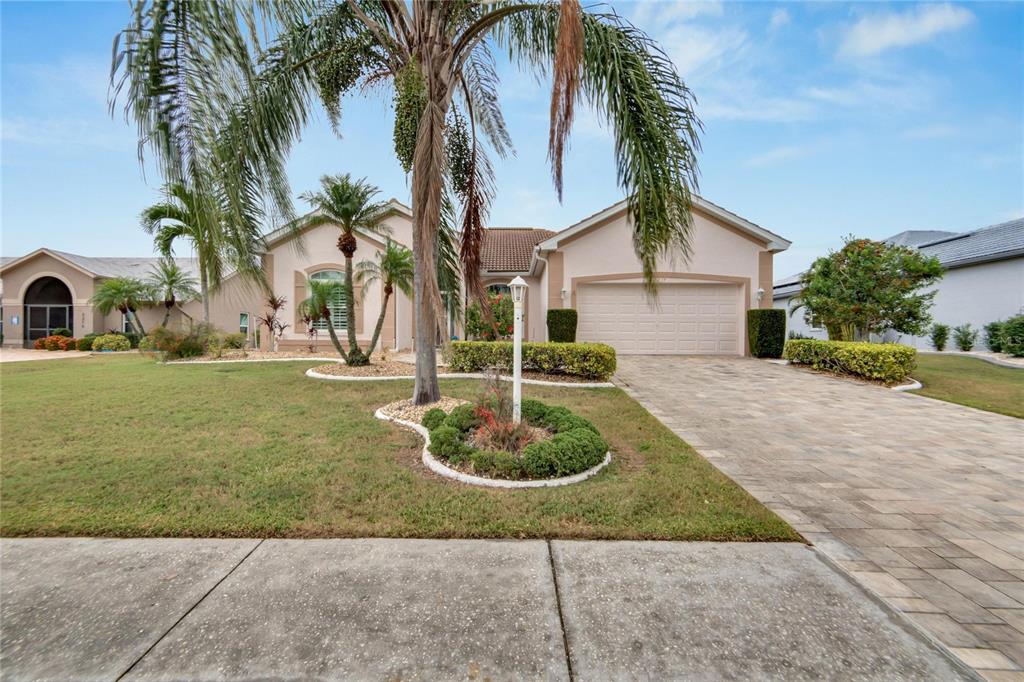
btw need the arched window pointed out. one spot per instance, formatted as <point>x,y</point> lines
<point>498,289</point>
<point>337,303</point>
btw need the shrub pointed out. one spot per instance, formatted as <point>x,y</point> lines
<point>496,464</point>
<point>62,331</point>
<point>147,344</point>
<point>463,418</point>
<point>1013,336</point>
<point>446,442</point>
<point>588,360</point>
<point>567,453</point>
<point>964,337</point>
<point>67,343</point>
<point>39,344</point>
<point>562,325</point>
<point>766,332</point>
<point>53,342</point>
<point>85,343</point>
<point>534,412</point>
<point>499,326</point>
<point>111,342</point>
<point>887,362</point>
<point>994,336</point>
<point>234,340</point>
<point>939,336</point>
<point>433,418</point>
<point>133,338</point>
<point>176,345</point>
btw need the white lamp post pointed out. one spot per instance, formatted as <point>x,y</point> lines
<point>517,287</point>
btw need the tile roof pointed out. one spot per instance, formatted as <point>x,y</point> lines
<point>917,237</point>
<point>994,242</point>
<point>510,249</point>
<point>124,267</point>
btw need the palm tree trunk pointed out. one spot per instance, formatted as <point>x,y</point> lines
<point>335,340</point>
<point>355,356</point>
<point>380,325</point>
<point>167,315</point>
<point>205,292</point>
<point>136,323</point>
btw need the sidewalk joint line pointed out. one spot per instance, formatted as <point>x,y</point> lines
<point>561,617</point>
<point>189,610</point>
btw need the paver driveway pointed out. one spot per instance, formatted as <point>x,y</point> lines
<point>921,500</point>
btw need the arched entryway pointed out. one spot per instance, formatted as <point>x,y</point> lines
<point>48,306</point>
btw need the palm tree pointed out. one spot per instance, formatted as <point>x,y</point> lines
<point>438,58</point>
<point>318,307</point>
<point>348,204</point>
<point>172,283</point>
<point>125,294</point>
<point>394,267</point>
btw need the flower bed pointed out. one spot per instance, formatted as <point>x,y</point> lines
<point>589,360</point>
<point>550,442</point>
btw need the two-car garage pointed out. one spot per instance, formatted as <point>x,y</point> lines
<point>686,319</point>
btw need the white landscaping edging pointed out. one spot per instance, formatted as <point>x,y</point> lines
<point>442,469</point>
<point>312,373</point>
<point>912,386</point>
<point>224,362</point>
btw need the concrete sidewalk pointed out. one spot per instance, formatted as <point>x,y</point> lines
<point>174,609</point>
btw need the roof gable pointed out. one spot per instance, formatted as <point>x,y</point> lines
<point>510,249</point>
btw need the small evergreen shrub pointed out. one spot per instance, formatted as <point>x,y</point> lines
<point>562,325</point>
<point>111,342</point>
<point>433,418</point>
<point>589,360</point>
<point>85,343</point>
<point>446,442</point>
<point>61,331</point>
<point>994,336</point>
<point>534,411</point>
<point>964,337</point>
<point>463,418</point>
<point>496,464</point>
<point>939,336</point>
<point>1013,336</point>
<point>147,344</point>
<point>886,362</point>
<point>234,340</point>
<point>766,332</point>
<point>567,453</point>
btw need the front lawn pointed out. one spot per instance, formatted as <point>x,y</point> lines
<point>125,447</point>
<point>971,382</point>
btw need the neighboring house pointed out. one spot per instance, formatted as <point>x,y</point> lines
<point>983,282</point>
<point>590,266</point>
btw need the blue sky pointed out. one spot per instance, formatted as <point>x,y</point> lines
<point>822,120</point>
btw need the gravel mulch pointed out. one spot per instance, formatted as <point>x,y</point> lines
<point>379,368</point>
<point>257,355</point>
<point>404,409</point>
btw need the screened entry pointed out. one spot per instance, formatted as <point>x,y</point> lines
<point>47,307</point>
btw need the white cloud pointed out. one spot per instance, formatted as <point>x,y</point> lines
<point>910,93</point>
<point>930,132</point>
<point>780,18</point>
<point>774,156</point>
<point>662,13</point>
<point>65,133</point>
<point>698,52</point>
<point>879,32</point>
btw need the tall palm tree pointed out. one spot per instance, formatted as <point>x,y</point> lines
<point>395,268</point>
<point>348,204</point>
<point>438,58</point>
<point>318,307</point>
<point>173,284</point>
<point>125,294</point>
<point>189,216</point>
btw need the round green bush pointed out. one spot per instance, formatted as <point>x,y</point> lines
<point>61,331</point>
<point>85,343</point>
<point>147,344</point>
<point>1013,336</point>
<point>111,342</point>
<point>433,418</point>
<point>575,446</point>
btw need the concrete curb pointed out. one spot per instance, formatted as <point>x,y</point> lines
<point>912,386</point>
<point>313,374</point>
<point>225,362</point>
<point>985,358</point>
<point>440,468</point>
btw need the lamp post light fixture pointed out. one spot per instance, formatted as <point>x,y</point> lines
<point>517,287</point>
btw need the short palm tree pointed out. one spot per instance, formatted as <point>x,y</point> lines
<point>348,204</point>
<point>125,294</point>
<point>317,306</point>
<point>173,284</point>
<point>438,58</point>
<point>394,268</point>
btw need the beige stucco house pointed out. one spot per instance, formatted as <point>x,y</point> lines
<point>589,266</point>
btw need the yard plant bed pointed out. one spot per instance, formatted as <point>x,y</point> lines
<point>379,368</point>
<point>972,382</point>
<point>123,446</point>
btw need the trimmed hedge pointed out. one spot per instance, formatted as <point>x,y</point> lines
<point>575,447</point>
<point>887,362</point>
<point>1012,336</point>
<point>562,325</point>
<point>766,331</point>
<point>115,342</point>
<point>589,360</point>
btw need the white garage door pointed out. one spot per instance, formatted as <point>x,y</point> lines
<point>687,319</point>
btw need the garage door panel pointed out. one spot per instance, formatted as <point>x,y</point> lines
<point>689,318</point>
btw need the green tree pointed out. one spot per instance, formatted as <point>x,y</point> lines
<point>125,294</point>
<point>437,56</point>
<point>394,268</point>
<point>869,287</point>
<point>348,204</point>
<point>317,306</point>
<point>172,283</point>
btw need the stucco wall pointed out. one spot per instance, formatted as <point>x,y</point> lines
<point>17,280</point>
<point>795,320</point>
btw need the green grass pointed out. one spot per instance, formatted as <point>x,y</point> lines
<point>126,447</point>
<point>971,382</point>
